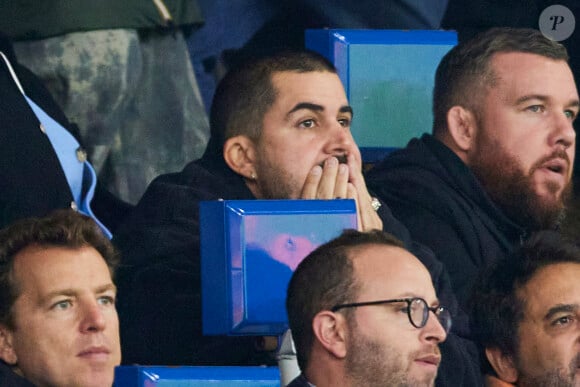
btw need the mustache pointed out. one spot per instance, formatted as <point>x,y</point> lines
<point>557,154</point>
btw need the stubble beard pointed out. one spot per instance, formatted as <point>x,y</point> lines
<point>551,379</point>
<point>512,190</point>
<point>371,364</point>
<point>276,183</point>
<point>560,377</point>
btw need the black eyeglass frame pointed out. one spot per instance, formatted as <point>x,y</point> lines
<point>437,310</point>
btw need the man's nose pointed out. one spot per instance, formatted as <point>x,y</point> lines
<point>563,132</point>
<point>92,319</point>
<point>433,330</point>
<point>339,139</point>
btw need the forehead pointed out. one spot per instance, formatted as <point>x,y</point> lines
<point>40,269</point>
<point>321,87</point>
<point>526,73</point>
<point>390,272</point>
<point>552,285</point>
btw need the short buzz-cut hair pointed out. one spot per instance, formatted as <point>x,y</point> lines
<point>496,310</point>
<point>247,92</point>
<point>62,228</point>
<point>465,72</point>
<point>325,278</point>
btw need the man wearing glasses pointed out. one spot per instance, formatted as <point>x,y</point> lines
<point>526,315</point>
<point>363,312</point>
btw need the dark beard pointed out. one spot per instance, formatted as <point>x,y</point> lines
<point>554,378</point>
<point>512,190</point>
<point>551,379</point>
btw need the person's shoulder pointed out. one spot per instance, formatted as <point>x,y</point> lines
<point>192,181</point>
<point>417,156</point>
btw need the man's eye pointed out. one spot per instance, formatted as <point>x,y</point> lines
<point>403,309</point>
<point>570,114</point>
<point>62,305</point>
<point>536,108</point>
<point>107,300</point>
<point>564,320</point>
<point>307,124</point>
<point>344,122</point>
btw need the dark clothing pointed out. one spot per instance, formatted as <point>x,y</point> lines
<point>141,117</point>
<point>159,280</point>
<point>32,179</point>
<point>32,182</point>
<point>20,20</point>
<point>444,206</point>
<point>10,379</point>
<point>299,381</point>
<point>460,358</point>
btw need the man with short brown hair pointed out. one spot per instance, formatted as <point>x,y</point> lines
<point>58,322</point>
<point>499,163</point>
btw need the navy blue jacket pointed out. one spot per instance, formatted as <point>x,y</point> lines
<point>32,182</point>
<point>9,379</point>
<point>445,208</point>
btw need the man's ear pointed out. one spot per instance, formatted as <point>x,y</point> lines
<point>462,126</point>
<point>240,155</point>
<point>330,331</point>
<point>503,364</point>
<point>6,349</point>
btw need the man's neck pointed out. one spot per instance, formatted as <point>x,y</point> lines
<point>327,378</point>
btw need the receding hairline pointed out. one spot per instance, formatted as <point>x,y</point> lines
<point>396,253</point>
<point>492,64</point>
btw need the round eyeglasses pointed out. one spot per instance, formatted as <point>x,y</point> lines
<point>417,311</point>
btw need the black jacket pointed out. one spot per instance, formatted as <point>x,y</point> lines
<point>9,379</point>
<point>159,281</point>
<point>299,381</point>
<point>32,182</point>
<point>444,207</point>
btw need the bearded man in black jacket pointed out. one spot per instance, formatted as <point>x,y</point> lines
<point>499,162</point>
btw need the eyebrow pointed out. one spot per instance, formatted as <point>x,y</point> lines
<point>544,98</point>
<point>435,303</point>
<point>527,98</point>
<point>317,108</point>
<point>72,292</point>
<point>561,308</point>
